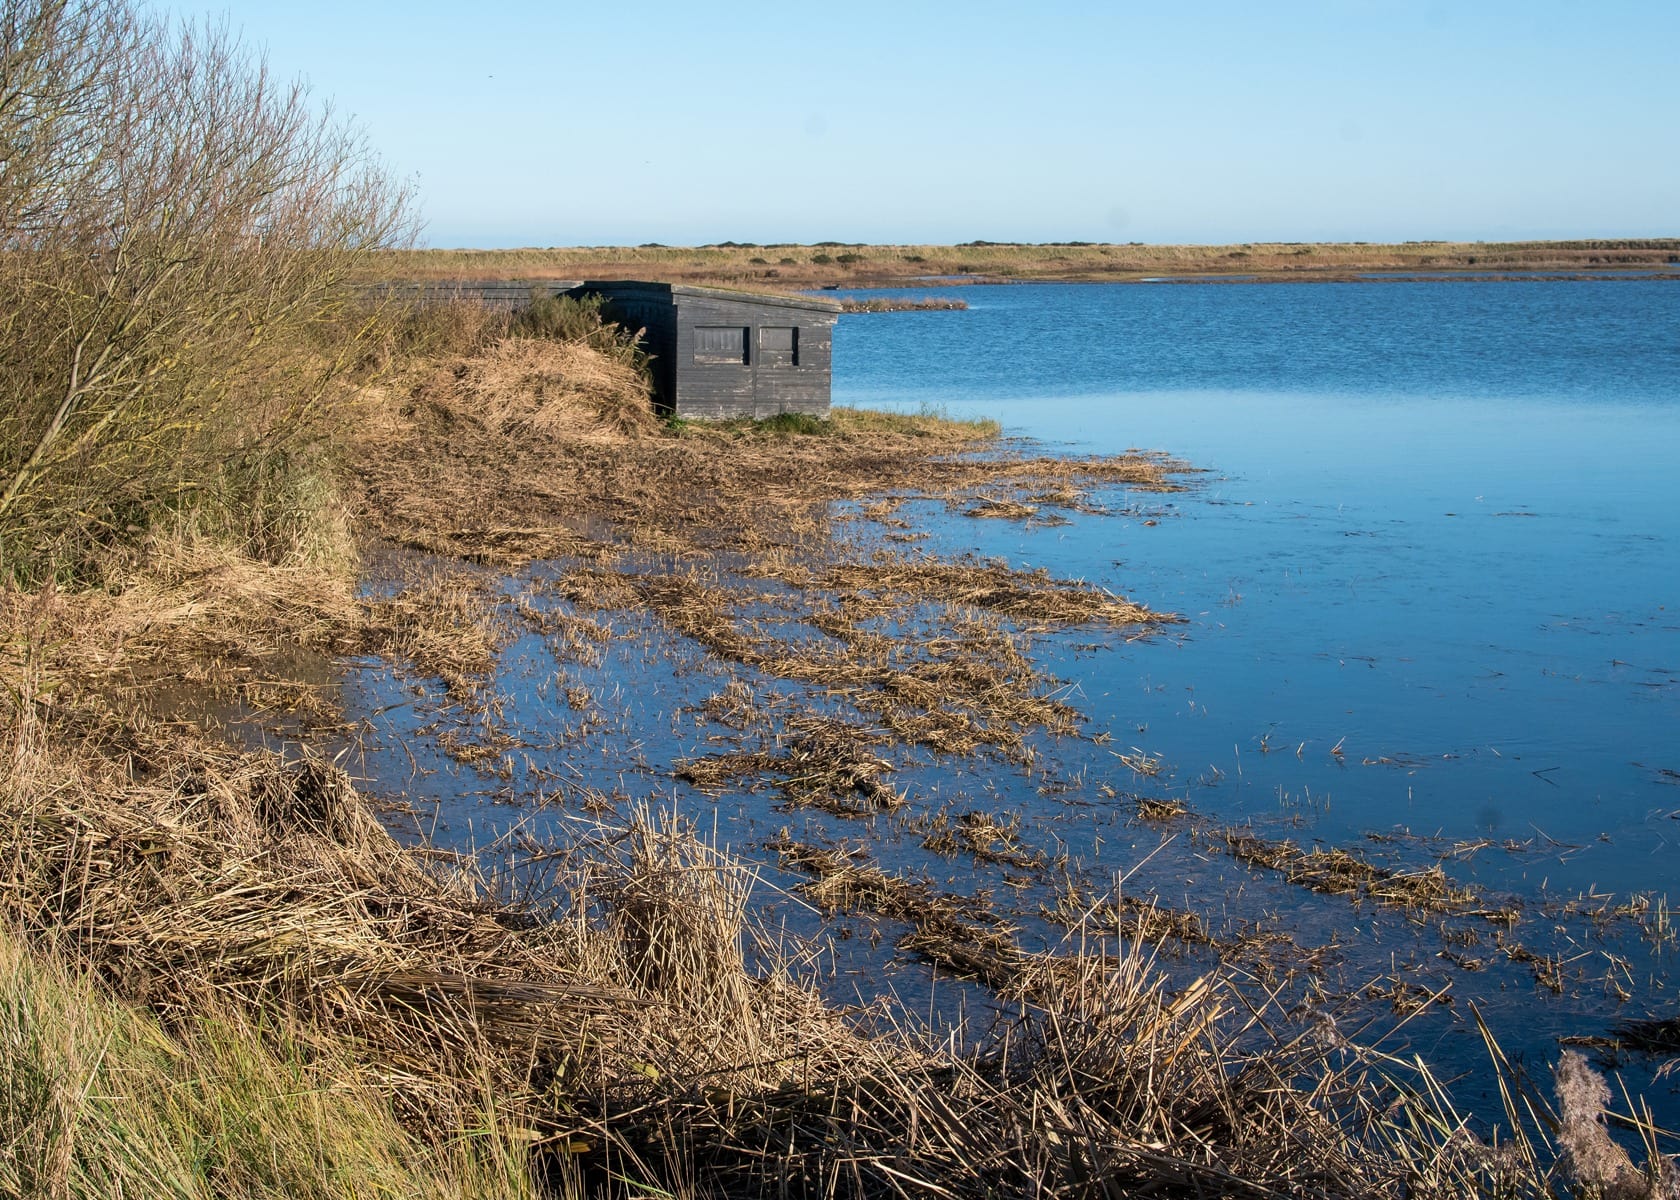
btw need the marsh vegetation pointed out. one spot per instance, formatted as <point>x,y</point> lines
<point>220,972</point>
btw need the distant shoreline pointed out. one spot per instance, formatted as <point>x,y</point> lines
<point>855,267</point>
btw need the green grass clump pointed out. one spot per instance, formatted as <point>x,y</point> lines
<point>931,423</point>
<point>927,422</point>
<point>563,318</point>
<point>795,423</point>
<point>98,1099</point>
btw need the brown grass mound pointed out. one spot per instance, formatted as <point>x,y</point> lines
<point>555,389</point>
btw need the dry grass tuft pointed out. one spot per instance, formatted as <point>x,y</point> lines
<point>564,390</point>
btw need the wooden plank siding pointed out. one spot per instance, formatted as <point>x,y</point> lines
<point>713,374</point>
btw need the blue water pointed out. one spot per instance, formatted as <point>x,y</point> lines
<point>1441,528</point>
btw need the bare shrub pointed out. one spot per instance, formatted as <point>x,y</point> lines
<point>177,228</point>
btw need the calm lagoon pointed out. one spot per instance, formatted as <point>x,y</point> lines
<point>1439,529</point>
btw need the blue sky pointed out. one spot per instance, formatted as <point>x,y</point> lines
<point>563,123</point>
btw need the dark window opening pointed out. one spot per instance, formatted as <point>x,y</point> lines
<point>720,344</point>
<point>779,344</point>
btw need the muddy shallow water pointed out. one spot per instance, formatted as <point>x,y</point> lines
<point>1432,618</point>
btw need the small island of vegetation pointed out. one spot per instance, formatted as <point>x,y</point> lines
<point>883,304</point>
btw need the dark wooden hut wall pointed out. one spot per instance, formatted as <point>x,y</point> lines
<point>729,354</point>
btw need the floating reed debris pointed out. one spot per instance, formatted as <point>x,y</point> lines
<point>955,933</point>
<point>819,762</point>
<point>984,838</point>
<point>1137,918</point>
<point>953,687</point>
<point>446,626</point>
<point>1648,1035</point>
<point>1337,872</point>
<point>1157,808</point>
<point>1000,508</point>
<point>1035,597</point>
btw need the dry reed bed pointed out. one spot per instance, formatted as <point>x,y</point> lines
<point>623,1028</point>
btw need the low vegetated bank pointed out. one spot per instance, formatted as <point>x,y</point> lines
<point>796,266</point>
<point>875,304</point>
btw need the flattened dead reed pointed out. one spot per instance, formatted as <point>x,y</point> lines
<point>953,686</point>
<point>817,761</point>
<point>1337,872</point>
<point>1035,598</point>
